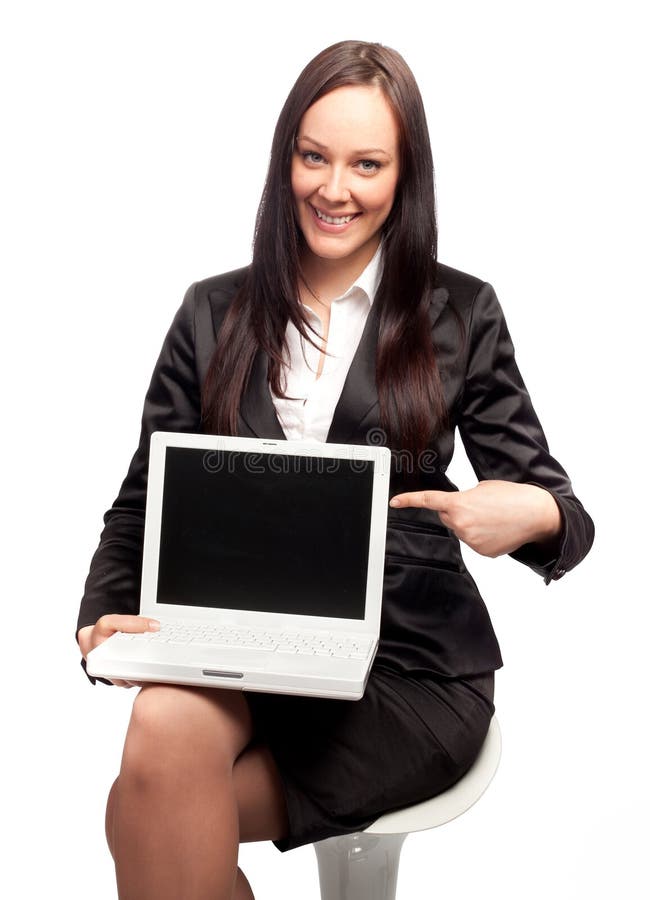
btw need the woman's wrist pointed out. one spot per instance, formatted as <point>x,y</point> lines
<point>83,639</point>
<point>549,519</point>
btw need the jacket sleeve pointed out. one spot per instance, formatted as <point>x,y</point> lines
<point>504,439</point>
<point>172,403</point>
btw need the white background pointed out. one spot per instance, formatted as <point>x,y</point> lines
<point>135,142</point>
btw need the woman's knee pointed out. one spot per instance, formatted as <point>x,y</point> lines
<point>185,728</point>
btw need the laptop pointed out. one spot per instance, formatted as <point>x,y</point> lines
<point>263,560</point>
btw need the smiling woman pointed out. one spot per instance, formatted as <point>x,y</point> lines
<point>344,176</point>
<point>352,138</point>
<point>344,328</point>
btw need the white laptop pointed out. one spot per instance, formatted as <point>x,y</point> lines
<point>264,562</point>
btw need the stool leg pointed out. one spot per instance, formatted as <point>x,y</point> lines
<point>359,866</point>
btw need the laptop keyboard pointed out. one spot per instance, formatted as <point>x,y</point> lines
<point>313,643</point>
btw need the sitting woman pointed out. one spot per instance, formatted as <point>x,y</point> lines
<point>344,328</point>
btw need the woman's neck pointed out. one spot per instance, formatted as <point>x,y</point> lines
<point>327,279</point>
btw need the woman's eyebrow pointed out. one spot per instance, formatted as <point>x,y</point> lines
<point>305,137</point>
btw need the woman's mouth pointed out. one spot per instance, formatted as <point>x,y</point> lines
<point>332,223</point>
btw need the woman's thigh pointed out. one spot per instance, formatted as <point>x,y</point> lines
<point>197,732</point>
<point>186,728</point>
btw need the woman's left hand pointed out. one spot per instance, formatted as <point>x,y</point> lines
<point>493,518</point>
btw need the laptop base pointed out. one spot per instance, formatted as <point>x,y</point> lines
<point>264,674</point>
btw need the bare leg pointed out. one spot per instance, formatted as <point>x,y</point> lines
<point>175,821</point>
<point>260,796</point>
<point>261,803</point>
<point>143,830</point>
<point>243,889</point>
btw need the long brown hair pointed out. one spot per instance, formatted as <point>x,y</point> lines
<point>411,400</point>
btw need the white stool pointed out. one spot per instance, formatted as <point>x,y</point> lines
<point>363,865</point>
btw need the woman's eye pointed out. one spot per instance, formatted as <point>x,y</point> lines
<point>368,166</point>
<point>312,157</point>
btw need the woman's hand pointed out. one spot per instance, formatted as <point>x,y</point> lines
<point>91,636</point>
<point>493,518</point>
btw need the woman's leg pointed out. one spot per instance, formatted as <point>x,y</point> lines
<point>261,804</point>
<point>260,796</point>
<point>260,801</point>
<point>173,817</point>
<point>243,890</point>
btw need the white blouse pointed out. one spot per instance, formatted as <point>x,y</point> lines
<point>310,414</point>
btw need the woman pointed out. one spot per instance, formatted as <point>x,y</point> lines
<point>344,328</point>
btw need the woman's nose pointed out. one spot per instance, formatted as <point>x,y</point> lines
<point>333,188</point>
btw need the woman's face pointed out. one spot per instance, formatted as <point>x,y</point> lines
<point>344,172</point>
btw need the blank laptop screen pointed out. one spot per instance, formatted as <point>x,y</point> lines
<point>270,533</point>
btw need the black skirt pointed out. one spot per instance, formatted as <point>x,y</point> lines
<point>344,763</point>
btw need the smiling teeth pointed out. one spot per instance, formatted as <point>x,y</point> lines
<point>333,220</point>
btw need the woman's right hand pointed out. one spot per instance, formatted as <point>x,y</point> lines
<point>91,636</point>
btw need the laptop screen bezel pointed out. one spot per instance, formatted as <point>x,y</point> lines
<point>380,456</point>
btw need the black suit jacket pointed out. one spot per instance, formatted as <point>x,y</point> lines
<point>433,617</point>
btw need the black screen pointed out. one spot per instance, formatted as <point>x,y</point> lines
<point>270,533</point>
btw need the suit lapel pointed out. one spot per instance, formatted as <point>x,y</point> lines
<point>358,397</point>
<point>439,299</point>
<point>359,393</point>
<point>256,407</point>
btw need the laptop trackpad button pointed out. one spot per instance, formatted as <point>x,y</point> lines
<point>222,673</point>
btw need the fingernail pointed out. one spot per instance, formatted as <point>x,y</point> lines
<point>394,502</point>
<point>154,626</point>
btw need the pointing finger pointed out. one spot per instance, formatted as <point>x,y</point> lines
<point>438,500</point>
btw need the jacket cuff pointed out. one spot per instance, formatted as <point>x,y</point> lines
<point>91,678</point>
